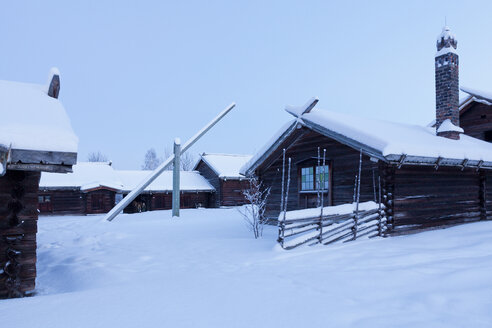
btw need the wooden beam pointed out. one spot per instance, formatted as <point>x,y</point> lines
<point>176,172</point>
<point>438,162</point>
<point>402,160</point>
<point>148,180</point>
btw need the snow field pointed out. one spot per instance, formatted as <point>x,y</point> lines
<point>206,270</point>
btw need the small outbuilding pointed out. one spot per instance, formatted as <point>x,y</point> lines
<point>35,136</point>
<point>222,171</point>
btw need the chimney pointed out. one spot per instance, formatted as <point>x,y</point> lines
<point>54,83</point>
<point>447,86</point>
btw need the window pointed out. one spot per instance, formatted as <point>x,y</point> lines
<point>309,182</point>
<point>307,179</point>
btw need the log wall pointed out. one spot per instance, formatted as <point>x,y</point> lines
<point>107,201</point>
<point>163,201</point>
<point>64,202</point>
<point>213,179</point>
<point>231,192</point>
<point>426,198</point>
<point>18,227</point>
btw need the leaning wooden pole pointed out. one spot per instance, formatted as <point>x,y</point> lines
<point>176,177</point>
<point>151,177</point>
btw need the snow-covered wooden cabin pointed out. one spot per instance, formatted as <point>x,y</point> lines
<point>96,187</point>
<point>430,176</point>
<point>90,189</point>
<point>222,171</point>
<point>35,136</point>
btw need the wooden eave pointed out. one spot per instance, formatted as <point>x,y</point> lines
<point>273,147</point>
<point>36,160</point>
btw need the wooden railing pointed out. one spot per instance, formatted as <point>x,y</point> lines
<point>314,228</point>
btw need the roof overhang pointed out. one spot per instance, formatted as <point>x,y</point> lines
<point>35,160</point>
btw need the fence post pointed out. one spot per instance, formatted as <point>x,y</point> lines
<point>356,216</point>
<point>380,228</point>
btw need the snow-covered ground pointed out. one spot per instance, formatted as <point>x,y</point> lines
<point>206,270</point>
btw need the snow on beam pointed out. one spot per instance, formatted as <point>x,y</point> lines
<point>298,111</point>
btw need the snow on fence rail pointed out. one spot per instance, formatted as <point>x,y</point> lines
<point>335,223</point>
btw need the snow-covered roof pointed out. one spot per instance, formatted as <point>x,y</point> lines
<point>91,175</point>
<point>476,95</point>
<point>226,166</point>
<point>32,120</point>
<point>387,141</point>
<point>86,176</point>
<point>189,181</point>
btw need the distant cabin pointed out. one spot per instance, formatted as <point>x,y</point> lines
<point>35,136</point>
<point>222,171</point>
<point>95,188</point>
<point>90,189</point>
<point>476,114</point>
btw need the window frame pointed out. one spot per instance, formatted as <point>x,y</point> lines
<point>313,164</point>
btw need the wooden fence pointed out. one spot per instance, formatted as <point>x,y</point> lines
<point>327,229</point>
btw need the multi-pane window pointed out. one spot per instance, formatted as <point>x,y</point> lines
<point>309,181</point>
<point>307,178</point>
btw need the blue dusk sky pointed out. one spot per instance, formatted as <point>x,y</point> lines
<point>135,75</point>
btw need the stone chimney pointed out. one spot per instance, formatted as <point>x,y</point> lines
<point>54,83</point>
<point>447,86</point>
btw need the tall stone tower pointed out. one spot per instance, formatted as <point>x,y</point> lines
<point>447,86</point>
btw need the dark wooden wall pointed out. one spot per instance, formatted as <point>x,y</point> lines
<point>476,120</point>
<point>424,198</point>
<point>232,192</point>
<point>18,227</point>
<point>64,202</point>
<point>108,201</point>
<point>163,201</point>
<point>213,179</point>
<point>343,160</point>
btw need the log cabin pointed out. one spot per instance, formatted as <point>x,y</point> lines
<point>95,187</point>
<point>90,189</point>
<point>222,171</point>
<point>35,136</point>
<point>429,177</point>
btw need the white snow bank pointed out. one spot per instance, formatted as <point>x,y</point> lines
<point>30,119</point>
<point>226,166</point>
<point>397,138</point>
<point>328,210</point>
<point>205,269</point>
